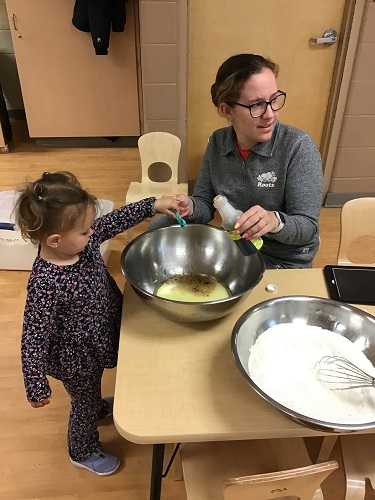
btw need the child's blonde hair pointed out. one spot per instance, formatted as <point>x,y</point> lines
<point>52,204</point>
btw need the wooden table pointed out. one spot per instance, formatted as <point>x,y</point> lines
<point>179,383</point>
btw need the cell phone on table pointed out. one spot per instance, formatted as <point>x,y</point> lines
<point>351,284</point>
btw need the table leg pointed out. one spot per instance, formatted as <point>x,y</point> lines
<point>326,448</point>
<point>157,471</point>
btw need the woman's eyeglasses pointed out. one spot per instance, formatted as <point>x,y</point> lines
<point>259,108</point>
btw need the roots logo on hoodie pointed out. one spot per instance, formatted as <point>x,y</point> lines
<point>267,179</point>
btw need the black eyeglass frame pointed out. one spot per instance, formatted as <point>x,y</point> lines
<point>267,103</point>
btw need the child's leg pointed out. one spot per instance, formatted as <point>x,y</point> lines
<point>87,408</point>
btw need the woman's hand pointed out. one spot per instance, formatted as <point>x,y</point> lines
<point>186,203</point>
<point>169,202</point>
<point>256,222</point>
<point>40,404</point>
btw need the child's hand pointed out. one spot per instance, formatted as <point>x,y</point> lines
<point>168,203</point>
<point>40,404</point>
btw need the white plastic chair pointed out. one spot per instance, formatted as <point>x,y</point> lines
<point>278,468</point>
<point>357,219</point>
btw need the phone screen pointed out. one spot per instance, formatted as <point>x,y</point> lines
<point>351,284</point>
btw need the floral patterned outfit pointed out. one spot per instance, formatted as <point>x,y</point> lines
<point>71,327</point>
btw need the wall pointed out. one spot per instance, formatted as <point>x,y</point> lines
<point>354,167</point>
<point>163,58</point>
<point>162,54</point>
<point>100,100</point>
<point>279,30</point>
<point>8,69</point>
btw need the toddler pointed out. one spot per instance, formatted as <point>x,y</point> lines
<point>73,308</point>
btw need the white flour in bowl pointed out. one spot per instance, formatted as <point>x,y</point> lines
<point>283,361</point>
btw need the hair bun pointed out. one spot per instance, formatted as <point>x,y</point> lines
<point>214,94</point>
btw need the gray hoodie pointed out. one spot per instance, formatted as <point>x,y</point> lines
<point>282,174</point>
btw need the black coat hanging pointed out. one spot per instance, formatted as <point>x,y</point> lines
<point>98,17</point>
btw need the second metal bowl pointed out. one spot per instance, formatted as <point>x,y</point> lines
<point>354,324</point>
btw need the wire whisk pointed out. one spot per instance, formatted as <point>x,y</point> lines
<point>340,374</point>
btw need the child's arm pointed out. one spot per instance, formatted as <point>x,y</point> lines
<point>169,204</point>
<point>123,218</point>
<point>34,346</point>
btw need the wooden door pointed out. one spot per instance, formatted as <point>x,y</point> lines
<point>279,30</point>
<point>69,91</point>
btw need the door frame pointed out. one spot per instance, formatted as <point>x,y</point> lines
<point>348,41</point>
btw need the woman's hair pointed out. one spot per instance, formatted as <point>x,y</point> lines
<point>234,72</point>
<point>52,204</point>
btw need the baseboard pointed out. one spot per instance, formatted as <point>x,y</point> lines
<point>76,142</point>
<point>17,114</point>
<point>334,200</point>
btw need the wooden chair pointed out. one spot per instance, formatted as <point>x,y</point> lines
<point>357,219</point>
<point>157,148</point>
<point>163,149</point>
<point>279,468</point>
<point>358,454</point>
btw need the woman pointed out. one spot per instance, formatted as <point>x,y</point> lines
<point>270,171</point>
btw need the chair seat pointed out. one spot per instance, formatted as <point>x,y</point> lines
<point>139,190</point>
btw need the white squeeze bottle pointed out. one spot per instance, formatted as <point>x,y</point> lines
<point>229,217</point>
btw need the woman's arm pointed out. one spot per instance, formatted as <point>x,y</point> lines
<point>302,198</point>
<point>303,195</point>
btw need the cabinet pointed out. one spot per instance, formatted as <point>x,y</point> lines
<point>69,91</point>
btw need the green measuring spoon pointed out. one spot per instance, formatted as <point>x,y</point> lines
<point>180,220</point>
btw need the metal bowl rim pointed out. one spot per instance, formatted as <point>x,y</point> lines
<point>299,417</point>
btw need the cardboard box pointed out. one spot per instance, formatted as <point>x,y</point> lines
<point>18,254</point>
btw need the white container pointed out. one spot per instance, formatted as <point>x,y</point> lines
<point>230,216</point>
<point>18,254</point>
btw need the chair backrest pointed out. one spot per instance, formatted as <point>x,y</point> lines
<point>301,483</point>
<point>357,219</point>
<point>159,147</point>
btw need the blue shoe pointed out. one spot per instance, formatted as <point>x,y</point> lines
<point>101,462</point>
<point>110,401</point>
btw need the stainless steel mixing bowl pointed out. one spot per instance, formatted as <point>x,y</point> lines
<point>354,324</point>
<point>154,256</point>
